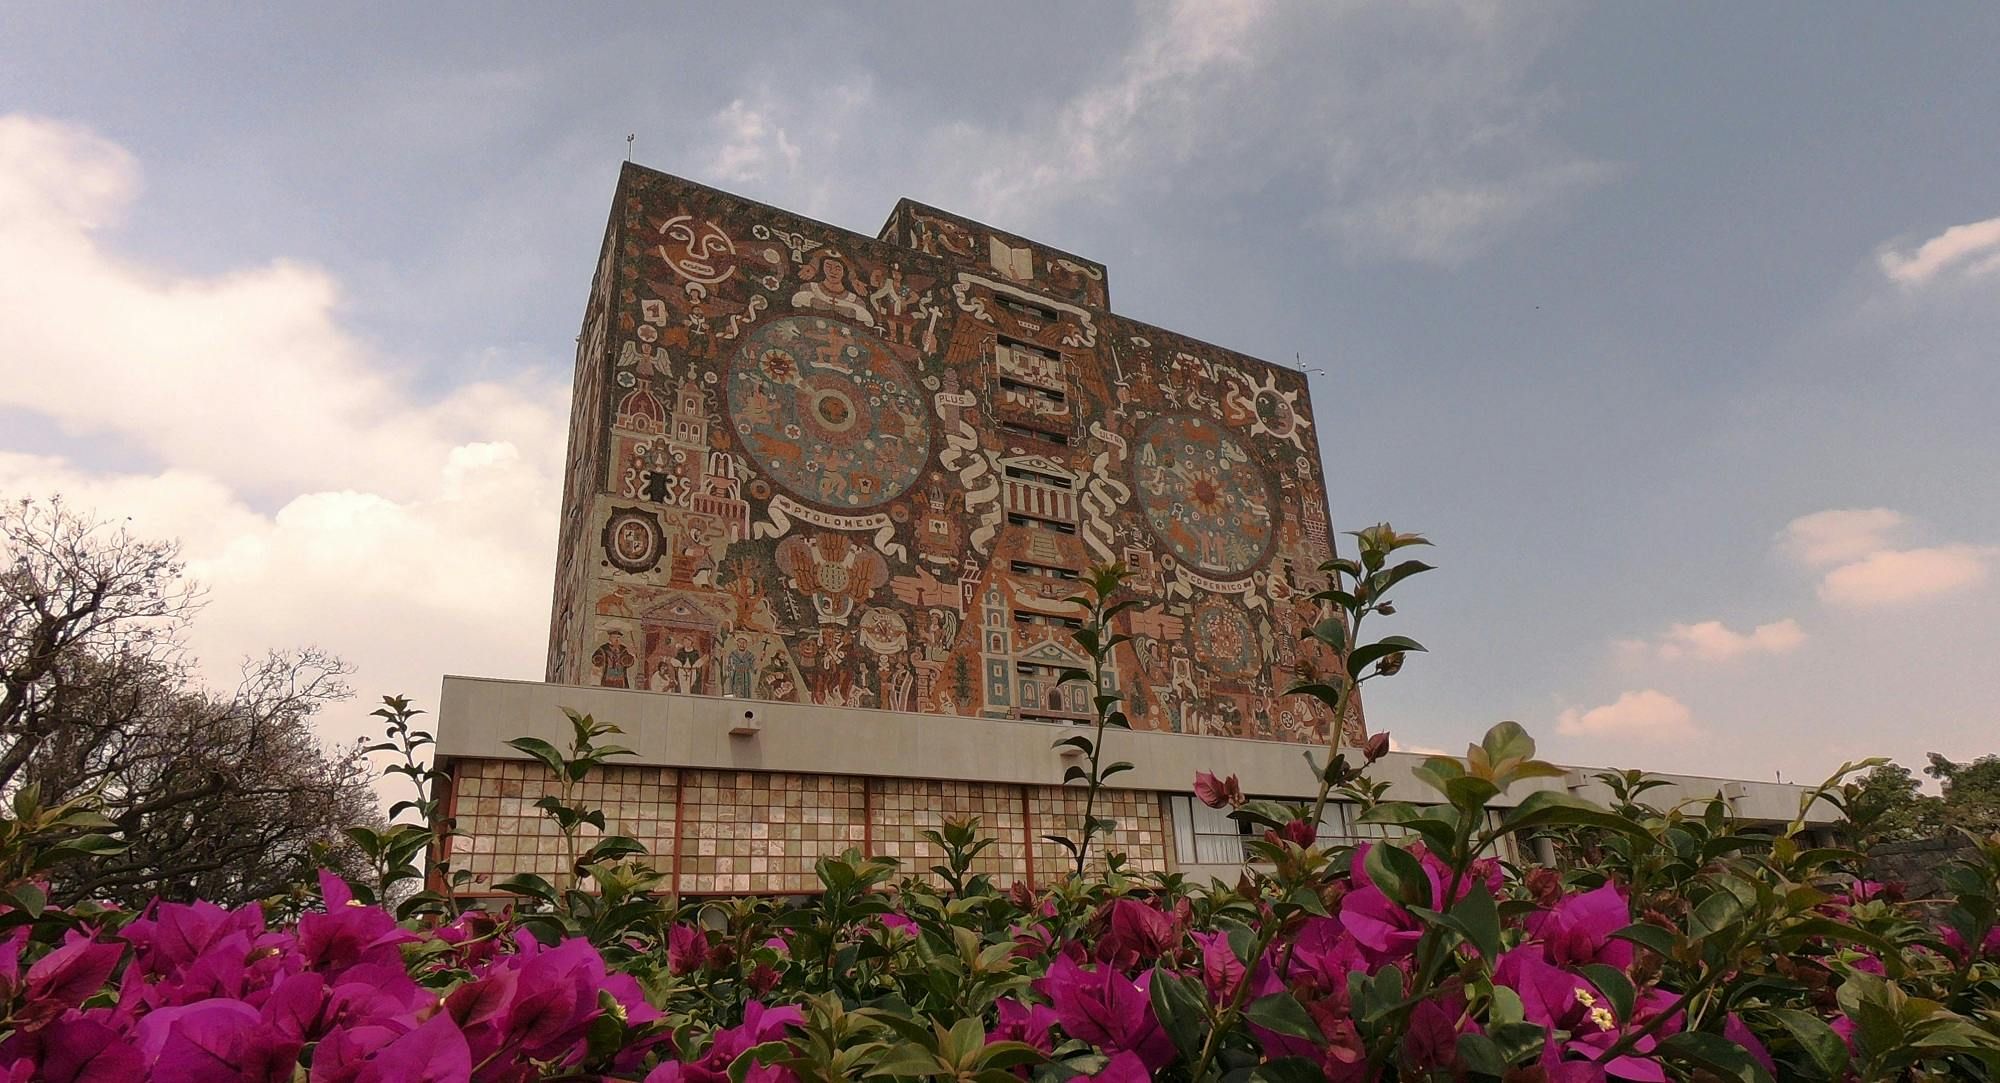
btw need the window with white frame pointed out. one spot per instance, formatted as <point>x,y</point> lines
<point>1341,825</point>
<point>1206,836</point>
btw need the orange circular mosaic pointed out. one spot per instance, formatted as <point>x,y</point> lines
<point>1203,497</point>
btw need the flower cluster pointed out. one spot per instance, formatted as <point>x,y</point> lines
<point>1663,944</point>
<point>192,991</point>
<point>1104,981</point>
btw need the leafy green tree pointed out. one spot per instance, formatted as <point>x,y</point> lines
<point>1888,805</point>
<point>1971,792</point>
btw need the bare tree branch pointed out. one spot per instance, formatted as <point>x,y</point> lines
<point>219,795</point>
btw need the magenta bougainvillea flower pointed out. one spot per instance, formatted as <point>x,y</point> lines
<point>1217,793</point>
<point>1578,929</point>
<point>1106,1009</point>
<point>687,949</point>
<point>1023,1022</point>
<point>760,1024</point>
<point>62,979</point>
<point>1134,933</point>
<point>1563,1001</point>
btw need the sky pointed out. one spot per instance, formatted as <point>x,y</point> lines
<point>1674,326</point>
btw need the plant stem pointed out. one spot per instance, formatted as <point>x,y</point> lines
<point>1624,1045</point>
<point>1227,1017</point>
<point>1097,742</point>
<point>1342,701</point>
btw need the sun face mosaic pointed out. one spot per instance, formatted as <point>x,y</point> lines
<point>816,466</point>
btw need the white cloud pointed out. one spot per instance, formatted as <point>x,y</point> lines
<point>1863,566</point>
<point>1152,103</point>
<point>753,143</point>
<point>1714,641</point>
<point>1415,132</point>
<point>1415,126</point>
<point>321,499</point>
<point>1840,535</point>
<point>1972,249</point>
<point>1648,715</point>
<point>1416,750</point>
<point>248,375</point>
<point>1894,576</point>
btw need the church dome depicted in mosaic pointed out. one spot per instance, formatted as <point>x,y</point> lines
<point>816,466</point>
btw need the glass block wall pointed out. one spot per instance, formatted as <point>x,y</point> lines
<point>759,831</point>
<point>903,809</point>
<point>736,832</point>
<point>508,835</point>
<point>1140,831</point>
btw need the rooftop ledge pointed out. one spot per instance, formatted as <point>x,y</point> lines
<point>478,715</point>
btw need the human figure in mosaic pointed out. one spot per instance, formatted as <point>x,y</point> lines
<point>739,668</point>
<point>688,661</point>
<point>826,291</point>
<point>613,661</point>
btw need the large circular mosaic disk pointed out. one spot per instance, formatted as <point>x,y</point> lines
<point>1225,640</point>
<point>1203,497</point>
<point>828,412</point>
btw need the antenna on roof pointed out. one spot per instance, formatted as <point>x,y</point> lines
<point>629,137</point>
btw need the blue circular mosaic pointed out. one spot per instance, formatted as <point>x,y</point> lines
<point>828,412</point>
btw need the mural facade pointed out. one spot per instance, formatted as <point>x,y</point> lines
<point>814,466</point>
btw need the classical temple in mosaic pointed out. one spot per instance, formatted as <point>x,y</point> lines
<point>826,502</point>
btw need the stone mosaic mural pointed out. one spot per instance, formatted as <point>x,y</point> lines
<point>815,466</point>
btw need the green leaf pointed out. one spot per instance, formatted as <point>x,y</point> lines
<point>906,1059</point>
<point>1283,1014</point>
<point>1840,931</point>
<point>1382,581</point>
<point>1507,741</point>
<point>1478,919</point>
<point>1267,813</point>
<point>1616,987</point>
<point>1649,936</point>
<point>1715,915</point>
<point>1715,1053</point>
<point>1004,1055</point>
<point>1363,657</point>
<point>1182,1009</point>
<point>1822,1045</point>
<point>1553,808</point>
<point>1332,631</point>
<point>1287,1070</point>
<point>1517,1040</point>
<point>95,845</point>
<point>528,884</point>
<point>1398,873</point>
<point>1467,792</point>
<point>1481,1055</point>
<point>540,750</point>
